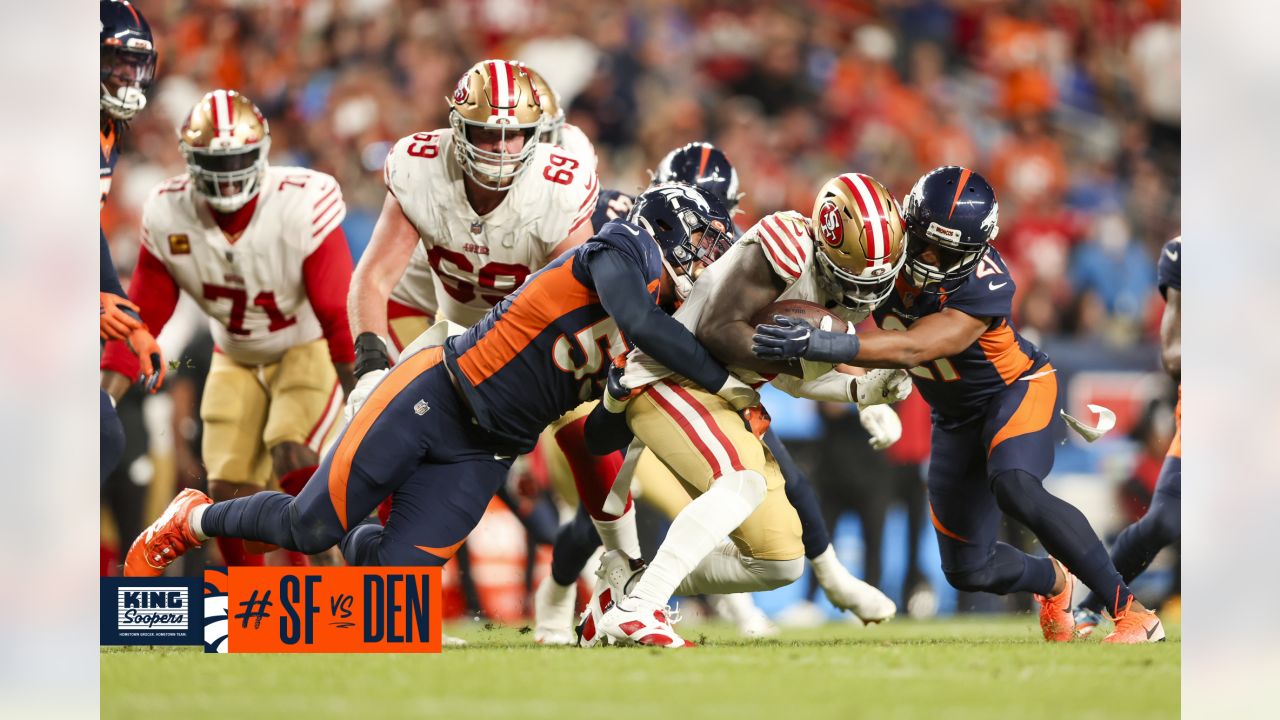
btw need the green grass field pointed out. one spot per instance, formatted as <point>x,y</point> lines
<point>972,668</point>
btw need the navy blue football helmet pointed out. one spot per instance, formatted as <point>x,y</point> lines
<point>705,166</point>
<point>673,213</point>
<point>953,212</point>
<point>127,62</point>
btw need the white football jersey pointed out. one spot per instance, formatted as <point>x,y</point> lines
<point>788,245</point>
<point>472,261</point>
<point>252,290</point>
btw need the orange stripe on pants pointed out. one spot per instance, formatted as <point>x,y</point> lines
<point>1036,409</point>
<point>401,375</point>
<point>937,524</point>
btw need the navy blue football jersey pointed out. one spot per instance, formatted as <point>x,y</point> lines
<point>958,387</point>
<point>1169,268</point>
<point>547,347</point>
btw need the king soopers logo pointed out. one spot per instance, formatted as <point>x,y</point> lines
<point>152,608</point>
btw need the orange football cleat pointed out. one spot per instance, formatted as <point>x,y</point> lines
<point>1056,621</point>
<point>1135,625</point>
<point>167,539</point>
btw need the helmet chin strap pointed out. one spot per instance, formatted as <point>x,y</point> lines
<point>125,103</point>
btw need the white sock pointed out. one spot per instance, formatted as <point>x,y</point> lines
<point>696,531</point>
<point>194,521</point>
<point>726,570</point>
<point>620,534</point>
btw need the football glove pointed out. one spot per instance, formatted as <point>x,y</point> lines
<point>371,354</point>
<point>882,423</point>
<point>360,393</point>
<point>882,386</point>
<point>143,344</point>
<point>616,394</point>
<point>791,338</point>
<point>113,322</point>
<point>738,394</point>
<point>756,419</point>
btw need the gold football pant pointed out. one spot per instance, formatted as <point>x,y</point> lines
<point>248,410</point>
<point>700,438</point>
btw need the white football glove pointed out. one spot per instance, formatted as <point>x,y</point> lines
<point>738,394</point>
<point>360,393</point>
<point>882,386</point>
<point>882,423</point>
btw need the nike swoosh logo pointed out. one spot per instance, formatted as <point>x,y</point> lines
<point>1152,630</point>
<point>501,458</point>
<point>1171,255</point>
<point>633,232</point>
<point>993,286</point>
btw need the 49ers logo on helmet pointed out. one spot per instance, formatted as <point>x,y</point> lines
<point>461,92</point>
<point>829,225</point>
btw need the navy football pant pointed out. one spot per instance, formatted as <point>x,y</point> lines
<point>997,464</point>
<point>1138,544</point>
<point>112,437</point>
<point>578,538</point>
<point>413,439</point>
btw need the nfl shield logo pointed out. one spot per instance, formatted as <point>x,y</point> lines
<point>421,407</point>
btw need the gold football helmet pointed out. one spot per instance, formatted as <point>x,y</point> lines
<point>225,141</point>
<point>552,110</point>
<point>495,101</point>
<point>860,237</point>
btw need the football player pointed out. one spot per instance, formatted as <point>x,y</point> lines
<point>412,306</point>
<point>705,166</point>
<point>441,429</point>
<point>1161,526</point>
<point>734,478</point>
<point>261,250</point>
<point>994,397</point>
<point>127,58</point>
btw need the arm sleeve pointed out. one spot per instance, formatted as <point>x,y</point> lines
<point>155,292</point>
<point>327,275</point>
<point>620,285</point>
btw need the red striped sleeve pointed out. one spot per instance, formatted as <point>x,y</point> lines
<point>776,246</point>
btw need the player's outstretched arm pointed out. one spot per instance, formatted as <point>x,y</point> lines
<point>155,293</point>
<point>1171,334</point>
<point>380,268</point>
<point>621,286</point>
<point>934,336</point>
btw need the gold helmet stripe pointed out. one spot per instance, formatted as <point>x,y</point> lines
<point>875,221</point>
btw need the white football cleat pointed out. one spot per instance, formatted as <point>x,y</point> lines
<point>741,610</point>
<point>615,577</point>
<point>451,641</point>
<point>849,593</point>
<point>634,621</point>
<point>553,613</point>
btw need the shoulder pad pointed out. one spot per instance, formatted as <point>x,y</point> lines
<point>785,239</point>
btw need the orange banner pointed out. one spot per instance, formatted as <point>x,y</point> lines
<point>331,609</point>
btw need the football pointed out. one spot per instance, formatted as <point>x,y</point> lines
<point>802,309</point>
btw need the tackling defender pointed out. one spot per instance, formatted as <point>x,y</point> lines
<point>706,166</point>
<point>1138,544</point>
<point>734,479</point>
<point>260,248</point>
<point>994,396</point>
<point>441,429</point>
